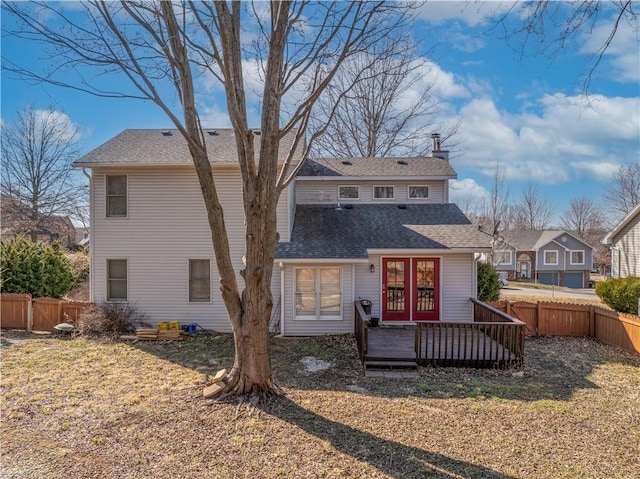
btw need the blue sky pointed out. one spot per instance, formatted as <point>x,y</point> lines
<point>525,115</point>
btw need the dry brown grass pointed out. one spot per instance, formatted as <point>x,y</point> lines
<point>90,409</point>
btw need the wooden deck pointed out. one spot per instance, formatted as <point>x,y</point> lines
<point>492,339</point>
<point>438,345</point>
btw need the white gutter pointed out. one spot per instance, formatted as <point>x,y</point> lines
<point>396,252</point>
<point>91,237</point>
<point>377,178</point>
<point>322,260</point>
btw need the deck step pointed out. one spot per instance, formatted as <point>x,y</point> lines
<point>373,364</point>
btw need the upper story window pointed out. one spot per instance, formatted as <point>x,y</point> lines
<point>418,192</point>
<point>502,257</point>
<point>116,280</point>
<point>550,257</point>
<point>199,280</point>
<point>116,195</point>
<point>348,192</point>
<point>577,257</point>
<point>383,192</point>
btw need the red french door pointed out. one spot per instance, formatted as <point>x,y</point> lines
<point>396,275</point>
<point>410,289</point>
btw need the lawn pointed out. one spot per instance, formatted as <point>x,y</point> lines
<point>91,409</point>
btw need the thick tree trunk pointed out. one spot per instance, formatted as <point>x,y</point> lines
<point>251,373</point>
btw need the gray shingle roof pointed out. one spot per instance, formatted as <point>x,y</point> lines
<point>358,167</point>
<point>325,231</point>
<point>152,147</point>
<point>531,240</point>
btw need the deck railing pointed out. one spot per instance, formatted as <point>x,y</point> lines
<point>494,339</point>
<point>360,329</point>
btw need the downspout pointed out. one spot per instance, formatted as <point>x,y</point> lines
<point>474,293</point>
<point>281,335</point>
<point>91,249</point>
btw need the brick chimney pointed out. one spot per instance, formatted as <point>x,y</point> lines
<point>436,152</point>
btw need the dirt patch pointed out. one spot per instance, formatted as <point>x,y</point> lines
<point>78,408</point>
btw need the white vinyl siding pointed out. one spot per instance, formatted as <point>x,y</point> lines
<point>625,255</point>
<point>326,191</point>
<point>166,226</point>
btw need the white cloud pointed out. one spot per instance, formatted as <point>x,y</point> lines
<point>623,50</point>
<point>566,140</point>
<point>467,191</point>
<point>214,117</point>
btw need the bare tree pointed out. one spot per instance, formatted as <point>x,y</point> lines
<point>570,19</point>
<point>532,212</point>
<point>161,47</point>
<point>624,194</point>
<point>494,219</point>
<point>379,106</point>
<point>37,179</point>
<point>583,217</point>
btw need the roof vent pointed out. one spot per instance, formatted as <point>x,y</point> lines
<point>347,163</point>
<point>402,162</point>
<point>348,207</point>
<point>212,133</point>
<point>402,207</point>
<point>166,133</point>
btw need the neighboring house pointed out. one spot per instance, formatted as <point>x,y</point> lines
<point>82,237</point>
<point>16,223</point>
<point>624,242</point>
<point>555,257</point>
<point>376,228</point>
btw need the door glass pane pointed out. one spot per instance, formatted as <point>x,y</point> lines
<point>425,280</point>
<point>395,286</point>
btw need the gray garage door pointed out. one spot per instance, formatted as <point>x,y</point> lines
<point>548,277</point>
<point>574,279</point>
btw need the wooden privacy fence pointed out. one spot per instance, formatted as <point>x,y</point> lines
<point>561,319</point>
<point>21,311</point>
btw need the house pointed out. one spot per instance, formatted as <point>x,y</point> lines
<point>376,228</point>
<point>17,223</point>
<point>624,242</point>
<point>554,257</point>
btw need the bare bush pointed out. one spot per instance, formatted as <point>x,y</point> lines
<point>111,319</point>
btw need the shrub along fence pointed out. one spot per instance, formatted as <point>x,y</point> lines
<point>21,311</point>
<point>561,319</point>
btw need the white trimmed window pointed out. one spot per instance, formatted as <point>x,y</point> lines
<point>383,192</point>
<point>199,281</point>
<point>348,192</point>
<point>117,196</point>
<point>318,293</point>
<point>116,280</point>
<point>577,257</point>
<point>418,192</point>
<point>551,257</point>
<point>502,257</point>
